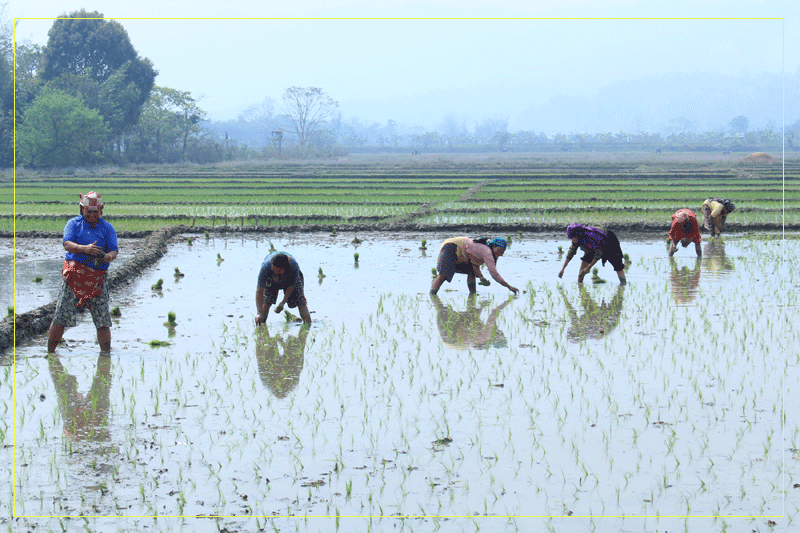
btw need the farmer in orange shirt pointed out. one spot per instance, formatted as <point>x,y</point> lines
<point>684,229</point>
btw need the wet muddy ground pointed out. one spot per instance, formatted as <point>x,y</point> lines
<point>569,408</point>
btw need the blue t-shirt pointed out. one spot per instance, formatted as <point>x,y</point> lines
<point>80,232</point>
<point>290,276</point>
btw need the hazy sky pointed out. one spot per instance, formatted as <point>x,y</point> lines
<point>419,71</point>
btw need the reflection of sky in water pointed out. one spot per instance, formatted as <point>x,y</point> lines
<point>375,354</point>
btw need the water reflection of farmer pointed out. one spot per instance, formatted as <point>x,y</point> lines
<point>280,361</point>
<point>85,417</point>
<point>465,329</point>
<point>715,259</point>
<point>684,281</point>
<point>91,244</point>
<point>597,321</point>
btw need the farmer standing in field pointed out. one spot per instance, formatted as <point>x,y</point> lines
<point>280,271</point>
<point>91,244</point>
<point>597,243</point>
<point>465,256</point>
<point>684,229</point>
<point>715,212</point>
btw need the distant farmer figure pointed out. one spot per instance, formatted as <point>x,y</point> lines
<point>715,211</point>
<point>684,229</point>
<point>597,243</point>
<point>91,244</point>
<point>280,271</point>
<point>465,256</point>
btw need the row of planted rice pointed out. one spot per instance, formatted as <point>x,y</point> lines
<point>513,193</point>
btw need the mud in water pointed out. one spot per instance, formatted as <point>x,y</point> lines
<point>662,397</point>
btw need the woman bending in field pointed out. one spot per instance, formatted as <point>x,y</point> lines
<point>597,243</point>
<point>715,212</point>
<point>684,229</point>
<point>465,256</point>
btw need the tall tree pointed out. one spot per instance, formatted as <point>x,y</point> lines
<point>739,124</point>
<point>307,108</point>
<point>169,120</point>
<point>59,130</point>
<point>116,81</point>
<point>6,91</point>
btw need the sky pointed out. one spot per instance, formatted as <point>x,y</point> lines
<point>603,65</point>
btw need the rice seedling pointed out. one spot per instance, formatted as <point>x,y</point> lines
<point>158,344</point>
<point>178,274</point>
<point>158,285</point>
<point>115,312</point>
<point>37,279</point>
<point>10,311</point>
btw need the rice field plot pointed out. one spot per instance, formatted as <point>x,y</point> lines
<point>602,216</point>
<point>365,190</point>
<point>651,406</point>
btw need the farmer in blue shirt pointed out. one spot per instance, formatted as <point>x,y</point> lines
<point>91,244</point>
<point>280,271</point>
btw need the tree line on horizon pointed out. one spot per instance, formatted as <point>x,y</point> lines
<point>88,98</point>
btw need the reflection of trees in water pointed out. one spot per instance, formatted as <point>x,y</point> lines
<point>280,361</point>
<point>597,321</point>
<point>85,417</point>
<point>714,258</point>
<point>465,329</point>
<point>685,281</point>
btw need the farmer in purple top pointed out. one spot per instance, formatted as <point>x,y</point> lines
<point>597,243</point>
<point>280,271</point>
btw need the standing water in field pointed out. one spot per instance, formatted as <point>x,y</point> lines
<point>662,398</point>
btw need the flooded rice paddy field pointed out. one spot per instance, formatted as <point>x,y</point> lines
<point>654,406</point>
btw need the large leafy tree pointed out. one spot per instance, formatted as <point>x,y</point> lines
<point>307,109</point>
<point>59,130</point>
<point>6,91</point>
<point>93,58</point>
<point>169,120</point>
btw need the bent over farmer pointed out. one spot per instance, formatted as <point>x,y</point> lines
<point>715,213</point>
<point>91,245</point>
<point>597,243</point>
<point>280,271</point>
<point>684,229</point>
<point>465,256</point>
